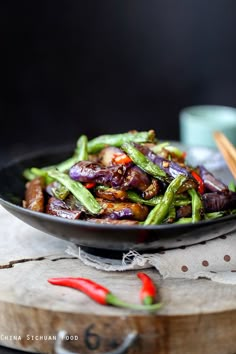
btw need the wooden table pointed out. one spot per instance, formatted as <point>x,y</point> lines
<point>198,316</point>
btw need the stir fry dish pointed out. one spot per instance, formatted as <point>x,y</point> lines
<point>128,178</point>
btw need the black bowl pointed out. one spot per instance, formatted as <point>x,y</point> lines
<point>99,236</point>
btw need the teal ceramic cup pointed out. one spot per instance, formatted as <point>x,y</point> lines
<point>198,123</point>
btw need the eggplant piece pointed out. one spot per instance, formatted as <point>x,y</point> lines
<point>119,213</point>
<point>111,176</point>
<point>136,178</point>
<point>111,194</point>
<point>123,210</point>
<point>51,187</point>
<point>152,190</point>
<point>171,168</point>
<point>219,201</point>
<point>184,211</point>
<point>86,171</point>
<point>34,196</point>
<point>59,208</point>
<point>113,222</point>
<point>210,181</point>
<point>188,184</point>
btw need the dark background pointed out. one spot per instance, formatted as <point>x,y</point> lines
<point>93,67</point>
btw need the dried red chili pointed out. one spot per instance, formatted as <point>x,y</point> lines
<point>201,186</point>
<point>121,159</point>
<point>99,293</point>
<point>148,290</point>
<point>90,185</point>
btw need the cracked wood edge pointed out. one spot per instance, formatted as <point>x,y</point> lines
<point>12,263</point>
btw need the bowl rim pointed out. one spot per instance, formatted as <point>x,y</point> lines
<point>68,148</point>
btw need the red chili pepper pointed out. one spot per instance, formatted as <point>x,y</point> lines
<point>99,293</point>
<point>90,185</point>
<point>121,159</point>
<point>93,290</point>
<point>148,290</point>
<point>201,186</point>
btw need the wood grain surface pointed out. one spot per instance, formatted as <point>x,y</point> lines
<point>198,316</point>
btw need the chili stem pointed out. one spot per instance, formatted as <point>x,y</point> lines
<point>114,301</point>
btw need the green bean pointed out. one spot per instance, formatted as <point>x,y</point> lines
<point>232,186</point>
<point>33,172</point>
<point>196,205</point>
<point>158,147</point>
<point>160,211</point>
<point>181,202</point>
<point>165,145</point>
<point>98,143</point>
<point>100,187</point>
<point>178,201</point>
<point>207,216</point>
<point>60,192</point>
<point>40,172</point>
<point>78,190</point>
<point>80,154</point>
<point>82,148</point>
<point>175,150</point>
<point>137,199</point>
<point>144,163</point>
<point>213,215</point>
<point>28,174</point>
<point>183,221</point>
<point>171,215</point>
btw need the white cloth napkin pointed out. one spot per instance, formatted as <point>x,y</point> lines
<point>214,259</point>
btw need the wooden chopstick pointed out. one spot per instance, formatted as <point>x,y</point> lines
<point>228,151</point>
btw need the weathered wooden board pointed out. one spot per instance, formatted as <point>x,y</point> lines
<point>198,316</point>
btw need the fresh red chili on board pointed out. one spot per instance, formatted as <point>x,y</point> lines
<point>201,186</point>
<point>93,290</point>
<point>99,293</point>
<point>148,290</point>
